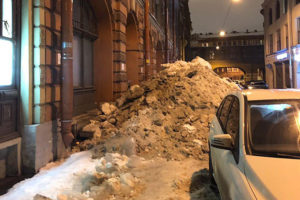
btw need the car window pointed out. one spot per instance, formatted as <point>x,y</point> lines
<point>232,126</point>
<point>220,108</point>
<point>225,111</point>
<point>275,128</point>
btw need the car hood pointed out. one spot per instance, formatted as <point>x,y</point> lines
<point>273,178</point>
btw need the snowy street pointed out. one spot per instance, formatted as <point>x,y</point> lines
<point>150,144</point>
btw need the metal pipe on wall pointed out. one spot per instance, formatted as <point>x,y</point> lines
<point>166,32</point>
<point>148,70</point>
<point>174,31</point>
<point>67,72</point>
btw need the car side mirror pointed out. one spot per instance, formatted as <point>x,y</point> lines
<point>222,141</point>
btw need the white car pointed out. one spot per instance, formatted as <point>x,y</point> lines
<point>255,145</point>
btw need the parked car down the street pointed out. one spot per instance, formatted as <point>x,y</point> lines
<point>256,85</point>
<point>255,145</point>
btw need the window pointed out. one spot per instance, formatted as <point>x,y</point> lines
<point>211,55</point>
<point>285,6</point>
<point>270,16</point>
<point>278,40</point>
<point>232,126</point>
<point>274,128</point>
<point>271,44</point>
<point>7,42</point>
<point>225,111</point>
<point>85,33</point>
<point>261,42</point>
<point>286,36</point>
<point>277,9</point>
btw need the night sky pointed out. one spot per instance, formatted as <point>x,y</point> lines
<point>208,15</point>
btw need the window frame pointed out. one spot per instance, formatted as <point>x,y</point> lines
<point>271,44</point>
<point>84,34</point>
<point>15,40</point>
<point>277,9</point>
<point>270,16</point>
<point>278,33</point>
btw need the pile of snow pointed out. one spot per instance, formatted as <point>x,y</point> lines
<point>165,119</point>
<point>169,115</point>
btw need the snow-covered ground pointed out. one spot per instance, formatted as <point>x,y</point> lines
<point>127,178</point>
<point>56,180</point>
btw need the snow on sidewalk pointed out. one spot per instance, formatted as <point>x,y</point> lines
<point>55,181</point>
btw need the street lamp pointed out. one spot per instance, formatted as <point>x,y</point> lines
<point>222,33</point>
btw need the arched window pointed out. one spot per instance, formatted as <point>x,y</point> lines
<point>285,4</point>
<point>270,16</point>
<point>85,32</point>
<point>277,9</point>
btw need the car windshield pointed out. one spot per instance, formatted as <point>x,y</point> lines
<point>274,128</point>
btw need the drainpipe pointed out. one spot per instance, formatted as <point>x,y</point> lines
<point>67,72</point>
<point>148,69</point>
<point>166,32</point>
<point>174,32</point>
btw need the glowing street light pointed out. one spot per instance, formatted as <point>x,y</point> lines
<point>222,33</point>
<point>217,47</point>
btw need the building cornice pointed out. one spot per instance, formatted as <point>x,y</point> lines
<point>155,23</point>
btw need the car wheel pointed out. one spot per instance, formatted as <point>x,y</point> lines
<point>211,177</point>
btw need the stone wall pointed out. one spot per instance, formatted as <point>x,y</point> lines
<point>47,60</point>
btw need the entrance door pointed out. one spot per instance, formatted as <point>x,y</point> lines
<point>287,75</point>
<point>9,95</point>
<point>279,76</point>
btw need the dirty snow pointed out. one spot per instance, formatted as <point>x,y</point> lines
<point>149,144</point>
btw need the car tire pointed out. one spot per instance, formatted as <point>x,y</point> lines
<point>210,170</point>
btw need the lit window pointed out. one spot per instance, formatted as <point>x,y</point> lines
<point>6,43</point>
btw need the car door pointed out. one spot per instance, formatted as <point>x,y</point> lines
<point>217,127</point>
<point>226,163</point>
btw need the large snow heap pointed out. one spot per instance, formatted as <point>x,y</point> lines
<point>167,116</point>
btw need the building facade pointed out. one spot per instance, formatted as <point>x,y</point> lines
<point>60,58</point>
<point>236,55</point>
<point>282,26</point>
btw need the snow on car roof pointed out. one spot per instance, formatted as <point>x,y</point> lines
<point>271,94</point>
